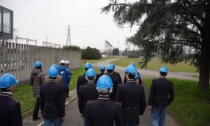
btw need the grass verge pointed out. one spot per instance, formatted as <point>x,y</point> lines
<point>155,64</point>
<point>190,106</point>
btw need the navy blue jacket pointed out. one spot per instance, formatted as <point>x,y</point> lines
<point>10,112</point>
<point>161,93</point>
<point>52,100</point>
<point>81,81</point>
<point>86,92</point>
<point>132,97</point>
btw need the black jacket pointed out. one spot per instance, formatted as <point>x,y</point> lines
<point>103,112</point>
<point>10,112</point>
<point>81,81</point>
<point>161,93</point>
<point>52,100</point>
<point>132,97</point>
<point>86,92</point>
<point>98,76</point>
<point>140,81</point>
<point>115,82</point>
<point>118,77</point>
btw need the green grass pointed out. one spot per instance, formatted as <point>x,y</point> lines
<point>24,95</point>
<point>190,106</point>
<point>155,64</point>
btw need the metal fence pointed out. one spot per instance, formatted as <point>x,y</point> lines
<point>19,59</point>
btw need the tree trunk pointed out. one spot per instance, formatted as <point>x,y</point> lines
<point>204,64</point>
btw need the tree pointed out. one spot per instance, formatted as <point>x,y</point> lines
<point>115,51</point>
<point>91,53</point>
<point>76,48</point>
<point>166,27</point>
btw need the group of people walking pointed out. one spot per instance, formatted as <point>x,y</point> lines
<point>103,99</point>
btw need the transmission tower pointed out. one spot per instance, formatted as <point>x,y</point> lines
<point>68,39</point>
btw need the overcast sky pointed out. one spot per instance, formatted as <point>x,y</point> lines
<point>49,19</point>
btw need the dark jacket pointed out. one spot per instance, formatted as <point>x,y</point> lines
<point>36,80</point>
<point>10,112</point>
<point>118,77</point>
<point>98,76</point>
<point>115,82</point>
<point>86,92</point>
<point>161,93</point>
<point>65,73</point>
<point>52,100</point>
<point>81,81</point>
<point>132,97</point>
<point>103,112</point>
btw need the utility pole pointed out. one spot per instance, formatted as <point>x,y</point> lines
<point>68,39</point>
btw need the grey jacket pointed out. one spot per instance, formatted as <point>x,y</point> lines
<point>36,80</point>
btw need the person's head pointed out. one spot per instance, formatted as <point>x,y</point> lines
<point>104,85</point>
<point>130,71</point>
<point>163,71</point>
<point>38,64</point>
<point>110,68</point>
<point>62,62</point>
<point>54,65</point>
<point>102,68</point>
<point>8,82</point>
<point>87,66</point>
<point>90,74</point>
<point>67,63</point>
<point>52,72</point>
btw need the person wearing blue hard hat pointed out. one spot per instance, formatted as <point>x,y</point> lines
<point>102,72</point>
<point>10,110</point>
<point>58,80</point>
<point>160,97</point>
<point>110,72</point>
<point>66,76</point>
<point>82,80</point>
<point>116,74</point>
<point>137,77</point>
<point>67,66</point>
<point>132,97</point>
<point>36,80</point>
<point>52,100</point>
<point>87,92</point>
<point>103,111</point>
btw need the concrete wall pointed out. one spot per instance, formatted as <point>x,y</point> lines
<point>19,59</point>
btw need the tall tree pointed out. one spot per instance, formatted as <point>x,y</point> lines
<point>167,28</point>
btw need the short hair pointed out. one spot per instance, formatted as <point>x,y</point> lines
<point>103,91</point>
<point>109,71</point>
<point>163,74</point>
<point>91,77</point>
<point>131,76</point>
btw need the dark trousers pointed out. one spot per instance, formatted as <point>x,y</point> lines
<point>36,108</point>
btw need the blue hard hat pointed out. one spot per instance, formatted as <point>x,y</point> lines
<point>102,67</point>
<point>113,65</point>
<point>90,72</point>
<point>163,69</point>
<point>137,75</point>
<point>7,80</point>
<point>104,82</point>
<point>38,64</point>
<point>54,65</point>
<point>52,72</point>
<point>110,67</point>
<point>131,69</point>
<point>88,65</point>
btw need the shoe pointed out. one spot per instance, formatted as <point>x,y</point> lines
<point>34,119</point>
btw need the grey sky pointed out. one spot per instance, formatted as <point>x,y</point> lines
<point>49,19</point>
